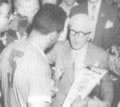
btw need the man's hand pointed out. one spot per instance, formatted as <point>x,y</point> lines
<point>114,50</point>
<point>80,103</point>
<point>96,102</point>
<point>114,59</point>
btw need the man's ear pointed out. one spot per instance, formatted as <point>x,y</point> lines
<point>53,35</point>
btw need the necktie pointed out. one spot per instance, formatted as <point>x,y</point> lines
<point>93,12</point>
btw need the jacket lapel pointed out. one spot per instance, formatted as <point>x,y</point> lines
<point>91,57</point>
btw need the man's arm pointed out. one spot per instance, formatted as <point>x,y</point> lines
<point>107,89</point>
<point>39,92</point>
<point>106,86</point>
<point>38,104</point>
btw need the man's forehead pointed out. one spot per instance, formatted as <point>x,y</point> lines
<point>80,22</point>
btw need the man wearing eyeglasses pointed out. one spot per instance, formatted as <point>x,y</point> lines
<point>105,21</point>
<point>64,55</point>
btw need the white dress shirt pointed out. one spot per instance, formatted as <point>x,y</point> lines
<point>79,59</point>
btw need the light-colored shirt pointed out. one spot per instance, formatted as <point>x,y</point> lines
<point>29,73</point>
<point>79,59</point>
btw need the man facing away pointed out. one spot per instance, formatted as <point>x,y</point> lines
<point>25,72</point>
<point>65,55</point>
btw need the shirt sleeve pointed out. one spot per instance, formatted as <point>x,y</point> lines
<point>39,81</point>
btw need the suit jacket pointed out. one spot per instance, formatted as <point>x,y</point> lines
<point>107,25</point>
<point>62,56</point>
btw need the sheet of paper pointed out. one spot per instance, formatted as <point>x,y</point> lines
<point>84,83</point>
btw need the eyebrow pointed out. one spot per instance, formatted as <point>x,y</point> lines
<point>80,31</point>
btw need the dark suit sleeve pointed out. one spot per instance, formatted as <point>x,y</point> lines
<point>116,31</point>
<point>106,86</point>
<point>107,89</point>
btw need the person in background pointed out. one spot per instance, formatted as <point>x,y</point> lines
<point>24,70</point>
<point>4,21</point>
<point>22,13</point>
<point>66,5</point>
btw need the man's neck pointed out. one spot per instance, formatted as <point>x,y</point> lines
<point>66,7</point>
<point>78,50</point>
<point>38,39</point>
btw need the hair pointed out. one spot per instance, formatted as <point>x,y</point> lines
<point>48,19</point>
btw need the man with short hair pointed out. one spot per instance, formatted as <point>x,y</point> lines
<point>65,55</point>
<point>27,8</point>
<point>25,72</point>
<point>105,22</point>
<point>4,19</point>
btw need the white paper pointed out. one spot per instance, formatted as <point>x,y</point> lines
<point>83,84</point>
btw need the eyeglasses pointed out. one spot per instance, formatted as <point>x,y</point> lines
<point>80,33</point>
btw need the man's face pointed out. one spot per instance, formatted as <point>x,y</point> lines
<point>53,37</point>
<point>69,2</point>
<point>26,7</point>
<point>79,33</point>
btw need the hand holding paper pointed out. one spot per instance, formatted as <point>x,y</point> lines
<point>83,84</point>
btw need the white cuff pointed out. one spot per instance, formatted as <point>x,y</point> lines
<point>39,99</point>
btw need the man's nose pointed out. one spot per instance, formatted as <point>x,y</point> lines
<point>77,37</point>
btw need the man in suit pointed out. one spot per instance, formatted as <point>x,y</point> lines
<point>65,53</point>
<point>105,21</point>
<point>105,25</point>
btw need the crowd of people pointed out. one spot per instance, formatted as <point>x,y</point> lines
<point>60,53</point>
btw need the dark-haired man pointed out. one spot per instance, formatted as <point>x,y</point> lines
<point>25,72</point>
